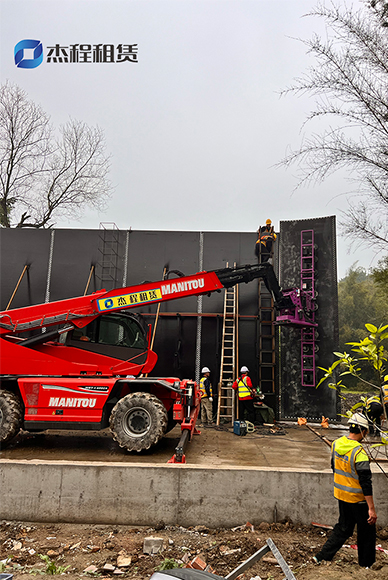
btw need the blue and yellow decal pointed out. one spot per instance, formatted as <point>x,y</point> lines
<point>125,300</point>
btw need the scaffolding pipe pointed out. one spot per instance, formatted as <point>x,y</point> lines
<point>90,277</point>
<point>17,285</point>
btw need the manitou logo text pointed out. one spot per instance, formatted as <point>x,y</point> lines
<point>183,286</point>
<point>71,402</point>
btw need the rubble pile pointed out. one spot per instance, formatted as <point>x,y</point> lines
<point>78,551</point>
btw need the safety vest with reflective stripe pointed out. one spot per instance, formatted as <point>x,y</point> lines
<point>202,388</point>
<point>346,484</point>
<point>265,235</point>
<point>243,390</point>
<point>371,400</point>
<point>384,390</point>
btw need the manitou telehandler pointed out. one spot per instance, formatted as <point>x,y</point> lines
<point>85,373</point>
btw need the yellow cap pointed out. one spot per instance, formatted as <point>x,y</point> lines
<point>268,222</point>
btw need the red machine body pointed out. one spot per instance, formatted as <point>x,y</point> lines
<point>58,358</point>
<point>84,365</point>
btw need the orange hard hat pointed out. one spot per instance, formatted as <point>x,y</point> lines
<point>268,222</point>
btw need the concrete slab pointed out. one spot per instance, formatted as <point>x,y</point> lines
<point>289,446</point>
<point>227,481</point>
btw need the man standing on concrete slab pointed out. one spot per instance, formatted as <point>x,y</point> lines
<point>353,489</point>
<point>243,386</point>
<point>206,398</point>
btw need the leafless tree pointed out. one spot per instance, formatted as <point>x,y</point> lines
<point>380,7</point>
<point>43,178</point>
<point>350,83</point>
<point>24,146</point>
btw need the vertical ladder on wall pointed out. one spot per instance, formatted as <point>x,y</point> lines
<point>266,334</point>
<point>307,282</point>
<point>266,340</point>
<point>226,395</point>
<point>108,248</point>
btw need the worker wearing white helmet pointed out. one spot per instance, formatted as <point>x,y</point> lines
<point>206,398</point>
<point>246,394</point>
<point>353,489</point>
<point>265,239</point>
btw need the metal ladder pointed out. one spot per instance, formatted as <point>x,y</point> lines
<point>266,338</point>
<point>266,335</point>
<point>226,395</point>
<point>307,280</point>
<point>107,266</point>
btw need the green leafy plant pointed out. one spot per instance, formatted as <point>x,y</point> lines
<point>4,564</point>
<point>369,350</point>
<point>168,564</point>
<point>51,567</point>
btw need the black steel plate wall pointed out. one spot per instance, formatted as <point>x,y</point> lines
<point>20,247</point>
<point>297,400</point>
<point>75,252</point>
<point>151,252</point>
<point>220,249</point>
<point>144,255</point>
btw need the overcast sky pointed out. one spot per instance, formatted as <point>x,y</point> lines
<point>195,127</point>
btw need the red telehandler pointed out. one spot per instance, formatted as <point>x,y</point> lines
<point>85,372</point>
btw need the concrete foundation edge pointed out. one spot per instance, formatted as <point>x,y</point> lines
<point>183,495</point>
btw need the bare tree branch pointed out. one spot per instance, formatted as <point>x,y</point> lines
<point>42,179</point>
<point>349,82</point>
<point>24,146</point>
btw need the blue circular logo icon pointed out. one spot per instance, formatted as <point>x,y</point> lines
<point>28,53</point>
<point>108,303</point>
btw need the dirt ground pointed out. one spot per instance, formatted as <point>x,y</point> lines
<point>85,551</point>
<point>72,549</point>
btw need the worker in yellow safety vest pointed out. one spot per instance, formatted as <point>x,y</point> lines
<point>246,394</point>
<point>384,393</point>
<point>266,237</point>
<point>374,411</point>
<point>206,397</point>
<point>353,490</point>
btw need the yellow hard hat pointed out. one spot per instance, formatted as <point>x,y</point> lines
<point>268,222</point>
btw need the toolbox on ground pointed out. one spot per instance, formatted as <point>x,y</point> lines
<point>240,428</point>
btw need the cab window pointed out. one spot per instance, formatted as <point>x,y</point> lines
<point>113,330</point>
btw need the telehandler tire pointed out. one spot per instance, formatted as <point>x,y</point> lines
<point>11,415</point>
<point>138,421</point>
